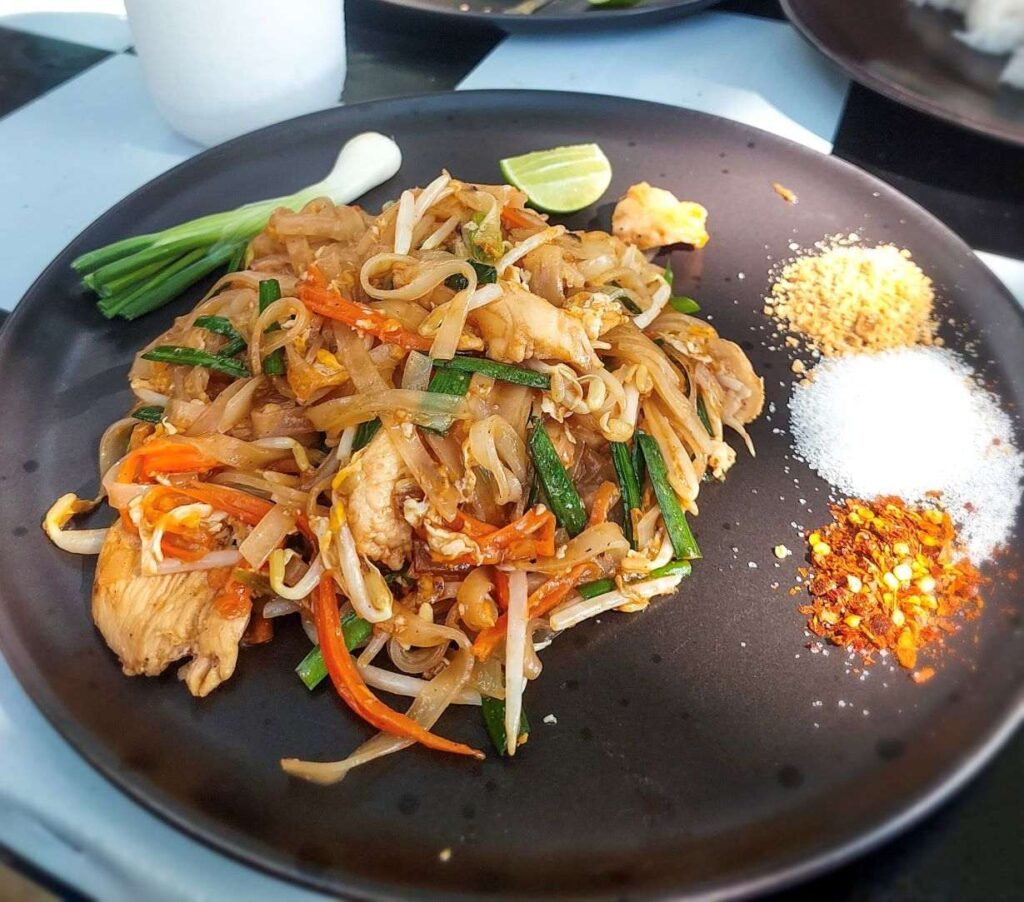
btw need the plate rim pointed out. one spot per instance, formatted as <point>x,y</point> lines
<point>902,95</point>
<point>593,20</point>
<point>200,828</point>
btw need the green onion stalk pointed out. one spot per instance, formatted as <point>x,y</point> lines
<point>133,276</point>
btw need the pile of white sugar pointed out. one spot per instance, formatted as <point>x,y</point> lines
<point>912,422</point>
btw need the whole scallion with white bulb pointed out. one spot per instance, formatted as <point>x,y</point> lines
<point>139,274</point>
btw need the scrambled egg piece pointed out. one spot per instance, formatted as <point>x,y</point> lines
<point>652,217</point>
<point>597,312</point>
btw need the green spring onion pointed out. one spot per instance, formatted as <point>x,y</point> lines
<point>504,372</point>
<point>562,497</point>
<point>683,543</point>
<point>182,356</point>
<point>136,275</point>
<point>447,382</point>
<point>493,710</point>
<point>312,670</point>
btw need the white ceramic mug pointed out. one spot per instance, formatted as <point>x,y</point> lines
<point>219,68</point>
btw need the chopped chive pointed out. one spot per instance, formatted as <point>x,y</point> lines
<point>597,587</point>
<point>182,356</point>
<point>365,433</point>
<point>447,382</point>
<point>493,710</point>
<point>628,303</point>
<point>562,497</point>
<point>312,670</point>
<point>629,487</point>
<point>604,586</point>
<point>504,372</point>
<point>669,276</point>
<point>637,457</point>
<point>152,413</point>
<point>221,325</point>
<point>684,305</point>
<point>270,291</point>
<point>683,543</point>
<point>702,413</point>
<point>485,275</point>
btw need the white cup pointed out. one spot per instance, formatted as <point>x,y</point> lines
<point>219,68</point>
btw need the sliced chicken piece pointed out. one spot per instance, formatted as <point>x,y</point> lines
<point>372,499</point>
<point>520,325</point>
<point>152,621</point>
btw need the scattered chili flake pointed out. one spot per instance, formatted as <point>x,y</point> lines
<point>888,577</point>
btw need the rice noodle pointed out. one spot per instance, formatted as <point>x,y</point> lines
<point>576,610</point>
<point>428,707</point>
<point>515,651</point>
<point>215,560</point>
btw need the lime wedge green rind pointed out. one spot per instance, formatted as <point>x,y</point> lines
<point>560,180</point>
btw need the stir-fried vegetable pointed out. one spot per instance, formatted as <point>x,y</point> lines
<point>504,372</point>
<point>683,304</point>
<point>139,274</point>
<point>679,533</point>
<point>558,488</point>
<point>270,291</point>
<point>493,710</point>
<point>181,356</point>
<point>313,671</point>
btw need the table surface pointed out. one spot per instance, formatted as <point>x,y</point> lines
<point>973,848</point>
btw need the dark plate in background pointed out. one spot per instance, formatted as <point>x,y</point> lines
<point>699,746</point>
<point>557,15</point>
<point>911,55</point>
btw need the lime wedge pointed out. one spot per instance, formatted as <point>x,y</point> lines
<point>560,180</point>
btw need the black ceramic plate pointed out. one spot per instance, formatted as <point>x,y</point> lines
<point>553,16</point>
<point>700,747</point>
<point>911,55</point>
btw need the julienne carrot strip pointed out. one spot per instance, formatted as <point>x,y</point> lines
<point>546,597</point>
<point>507,543</point>
<point>163,456</point>
<point>470,526</point>
<point>604,498</point>
<point>518,218</point>
<point>501,588</point>
<point>319,297</point>
<point>350,686</point>
<point>240,505</point>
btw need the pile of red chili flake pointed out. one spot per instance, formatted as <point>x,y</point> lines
<point>888,577</point>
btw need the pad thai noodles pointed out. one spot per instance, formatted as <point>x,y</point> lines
<point>433,439</point>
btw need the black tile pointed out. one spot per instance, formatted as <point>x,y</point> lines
<point>970,182</point>
<point>31,65</point>
<point>766,9</point>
